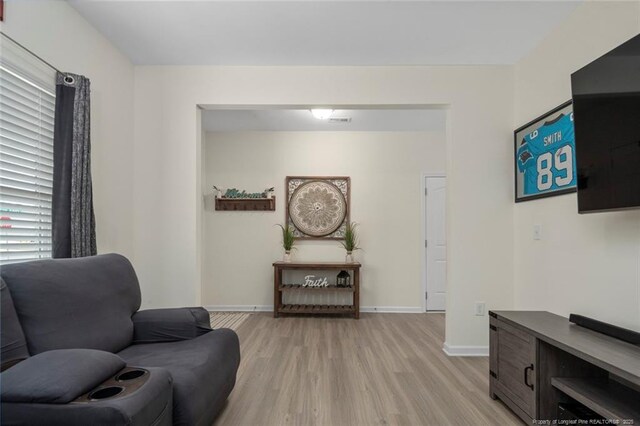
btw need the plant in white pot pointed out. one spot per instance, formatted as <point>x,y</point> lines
<point>351,242</point>
<point>288,240</point>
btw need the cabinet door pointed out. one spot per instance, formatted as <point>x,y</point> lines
<point>516,357</point>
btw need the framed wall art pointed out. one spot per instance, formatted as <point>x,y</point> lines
<point>545,161</point>
<point>318,207</point>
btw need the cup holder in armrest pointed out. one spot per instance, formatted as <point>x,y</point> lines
<point>125,382</point>
<point>104,393</point>
<point>130,375</point>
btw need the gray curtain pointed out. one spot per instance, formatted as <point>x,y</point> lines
<point>73,229</point>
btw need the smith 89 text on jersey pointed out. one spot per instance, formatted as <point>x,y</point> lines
<point>546,157</point>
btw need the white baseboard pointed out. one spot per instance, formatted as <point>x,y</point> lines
<point>465,350</point>
<point>239,308</point>
<point>392,309</point>
<point>269,308</point>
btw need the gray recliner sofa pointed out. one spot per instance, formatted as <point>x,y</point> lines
<point>77,351</point>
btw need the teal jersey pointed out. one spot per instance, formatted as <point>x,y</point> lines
<point>546,156</point>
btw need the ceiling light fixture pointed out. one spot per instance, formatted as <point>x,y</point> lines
<point>322,114</point>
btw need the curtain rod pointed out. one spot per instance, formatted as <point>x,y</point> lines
<point>32,53</point>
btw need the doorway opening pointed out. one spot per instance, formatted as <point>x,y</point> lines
<point>384,149</point>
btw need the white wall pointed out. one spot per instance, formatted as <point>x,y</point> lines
<point>587,264</point>
<point>167,194</point>
<point>164,235</point>
<point>57,33</point>
<point>152,212</point>
<point>386,200</point>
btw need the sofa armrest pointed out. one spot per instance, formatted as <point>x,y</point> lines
<point>169,325</point>
<point>58,376</point>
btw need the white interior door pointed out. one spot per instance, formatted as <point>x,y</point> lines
<point>436,243</point>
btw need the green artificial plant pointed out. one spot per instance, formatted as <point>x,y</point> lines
<point>288,239</point>
<point>351,242</point>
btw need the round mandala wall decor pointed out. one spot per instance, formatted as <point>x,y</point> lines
<point>317,208</point>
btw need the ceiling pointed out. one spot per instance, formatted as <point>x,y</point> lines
<point>320,32</point>
<point>301,120</point>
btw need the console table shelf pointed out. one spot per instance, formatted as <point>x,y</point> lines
<point>279,289</point>
<point>317,309</point>
<point>297,287</point>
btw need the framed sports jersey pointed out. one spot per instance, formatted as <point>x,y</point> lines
<point>545,160</point>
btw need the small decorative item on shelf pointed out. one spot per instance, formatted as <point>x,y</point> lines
<point>218,191</point>
<point>350,242</point>
<point>268,193</point>
<point>343,279</point>
<point>288,240</point>
<point>313,281</point>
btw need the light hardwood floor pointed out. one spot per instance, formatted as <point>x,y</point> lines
<point>381,369</point>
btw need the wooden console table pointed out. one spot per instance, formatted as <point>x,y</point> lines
<point>539,360</point>
<point>279,288</point>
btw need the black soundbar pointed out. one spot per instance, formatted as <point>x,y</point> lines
<point>619,333</point>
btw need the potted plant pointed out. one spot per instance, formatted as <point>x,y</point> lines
<point>288,239</point>
<point>350,242</point>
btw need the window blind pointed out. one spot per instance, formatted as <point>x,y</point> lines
<point>27,106</point>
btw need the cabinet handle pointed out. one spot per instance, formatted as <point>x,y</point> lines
<point>526,376</point>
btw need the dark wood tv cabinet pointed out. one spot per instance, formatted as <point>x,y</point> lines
<point>539,359</point>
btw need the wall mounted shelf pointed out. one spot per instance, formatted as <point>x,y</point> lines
<point>246,204</point>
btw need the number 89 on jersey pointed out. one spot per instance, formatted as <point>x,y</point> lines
<point>545,155</point>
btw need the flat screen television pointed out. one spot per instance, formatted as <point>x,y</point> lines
<point>606,109</point>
